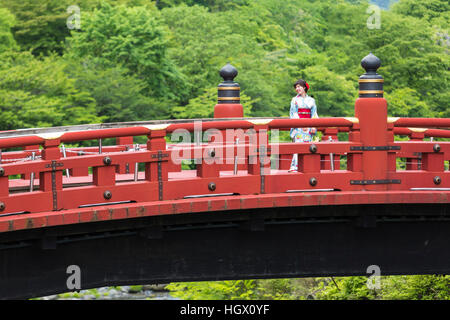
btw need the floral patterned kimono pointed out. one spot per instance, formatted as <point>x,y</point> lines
<point>301,108</point>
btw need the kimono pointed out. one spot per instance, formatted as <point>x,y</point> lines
<point>301,108</point>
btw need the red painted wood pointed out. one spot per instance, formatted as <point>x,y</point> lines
<point>68,195</point>
<point>127,211</point>
<point>228,110</point>
<point>423,122</point>
<point>372,115</point>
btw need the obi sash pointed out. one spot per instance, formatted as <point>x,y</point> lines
<point>304,113</point>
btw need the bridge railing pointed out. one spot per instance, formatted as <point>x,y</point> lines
<point>223,165</point>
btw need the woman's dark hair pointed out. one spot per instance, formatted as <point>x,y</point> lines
<point>302,83</point>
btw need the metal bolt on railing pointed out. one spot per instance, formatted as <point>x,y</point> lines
<point>235,158</point>
<point>136,165</point>
<point>331,155</point>
<point>63,148</point>
<point>100,147</point>
<point>33,155</point>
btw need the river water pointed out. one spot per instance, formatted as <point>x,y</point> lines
<point>144,292</point>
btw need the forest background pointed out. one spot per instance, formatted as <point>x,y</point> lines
<point>73,62</point>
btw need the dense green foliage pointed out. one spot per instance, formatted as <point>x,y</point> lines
<point>7,20</point>
<point>39,93</point>
<point>143,60</point>
<point>426,287</point>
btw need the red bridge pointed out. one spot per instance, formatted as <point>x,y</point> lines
<point>126,212</point>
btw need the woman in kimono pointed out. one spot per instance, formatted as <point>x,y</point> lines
<point>302,106</point>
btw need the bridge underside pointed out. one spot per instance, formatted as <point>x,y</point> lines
<point>286,242</point>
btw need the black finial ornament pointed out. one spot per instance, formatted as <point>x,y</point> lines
<point>371,63</point>
<point>228,90</point>
<point>228,72</point>
<point>371,83</point>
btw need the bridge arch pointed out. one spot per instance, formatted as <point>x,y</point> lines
<point>93,207</point>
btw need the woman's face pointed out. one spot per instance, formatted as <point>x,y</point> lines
<point>299,89</point>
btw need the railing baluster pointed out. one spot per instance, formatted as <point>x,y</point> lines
<point>415,162</point>
<point>51,181</point>
<point>331,156</point>
<point>63,148</point>
<point>100,147</point>
<point>136,165</point>
<point>354,159</point>
<point>236,158</point>
<point>157,171</point>
<point>33,155</point>
<point>125,142</point>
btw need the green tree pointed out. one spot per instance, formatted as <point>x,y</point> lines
<point>214,5</point>
<point>216,290</point>
<point>226,37</point>
<point>416,287</point>
<point>41,25</point>
<point>345,288</point>
<point>202,106</point>
<point>132,38</point>
<point>119,96</point>
<point>406,102</point>
<point>38,93</point>
<point>7,21</point>
<point>427,10</point>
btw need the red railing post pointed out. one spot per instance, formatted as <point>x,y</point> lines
<point>330,132</point>
<point>259,153</point>
<point>354,159</point>
<point>157,170</point>
<point>433,161</point>
<point>392,154</point>
<point>309,163</point>
<point>51,181</point>
<point>79,172</point>
<point>128,167</point>
<point>228,105</point>
<point>284,161</point>
<point>371,110</point>
<point>4,184</point>
<point>328,135</point>
<point>104,175</point>
<point>29,148</point>
<point>208,166</point>
<point>415,162</point>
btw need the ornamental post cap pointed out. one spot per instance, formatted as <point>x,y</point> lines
<point>371,63</point>
<point>228,91</point>
<point>371,83</point>
<point>228,72</point>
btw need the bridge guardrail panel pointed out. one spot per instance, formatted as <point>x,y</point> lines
<point>52,181</point>
<point>126,142</point>
<point>256,179</point>
<point>330,134</point>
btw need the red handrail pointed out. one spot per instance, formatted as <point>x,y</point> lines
<point>163,180</point>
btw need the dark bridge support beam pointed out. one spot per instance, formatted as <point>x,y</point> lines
<point>293,242</point>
